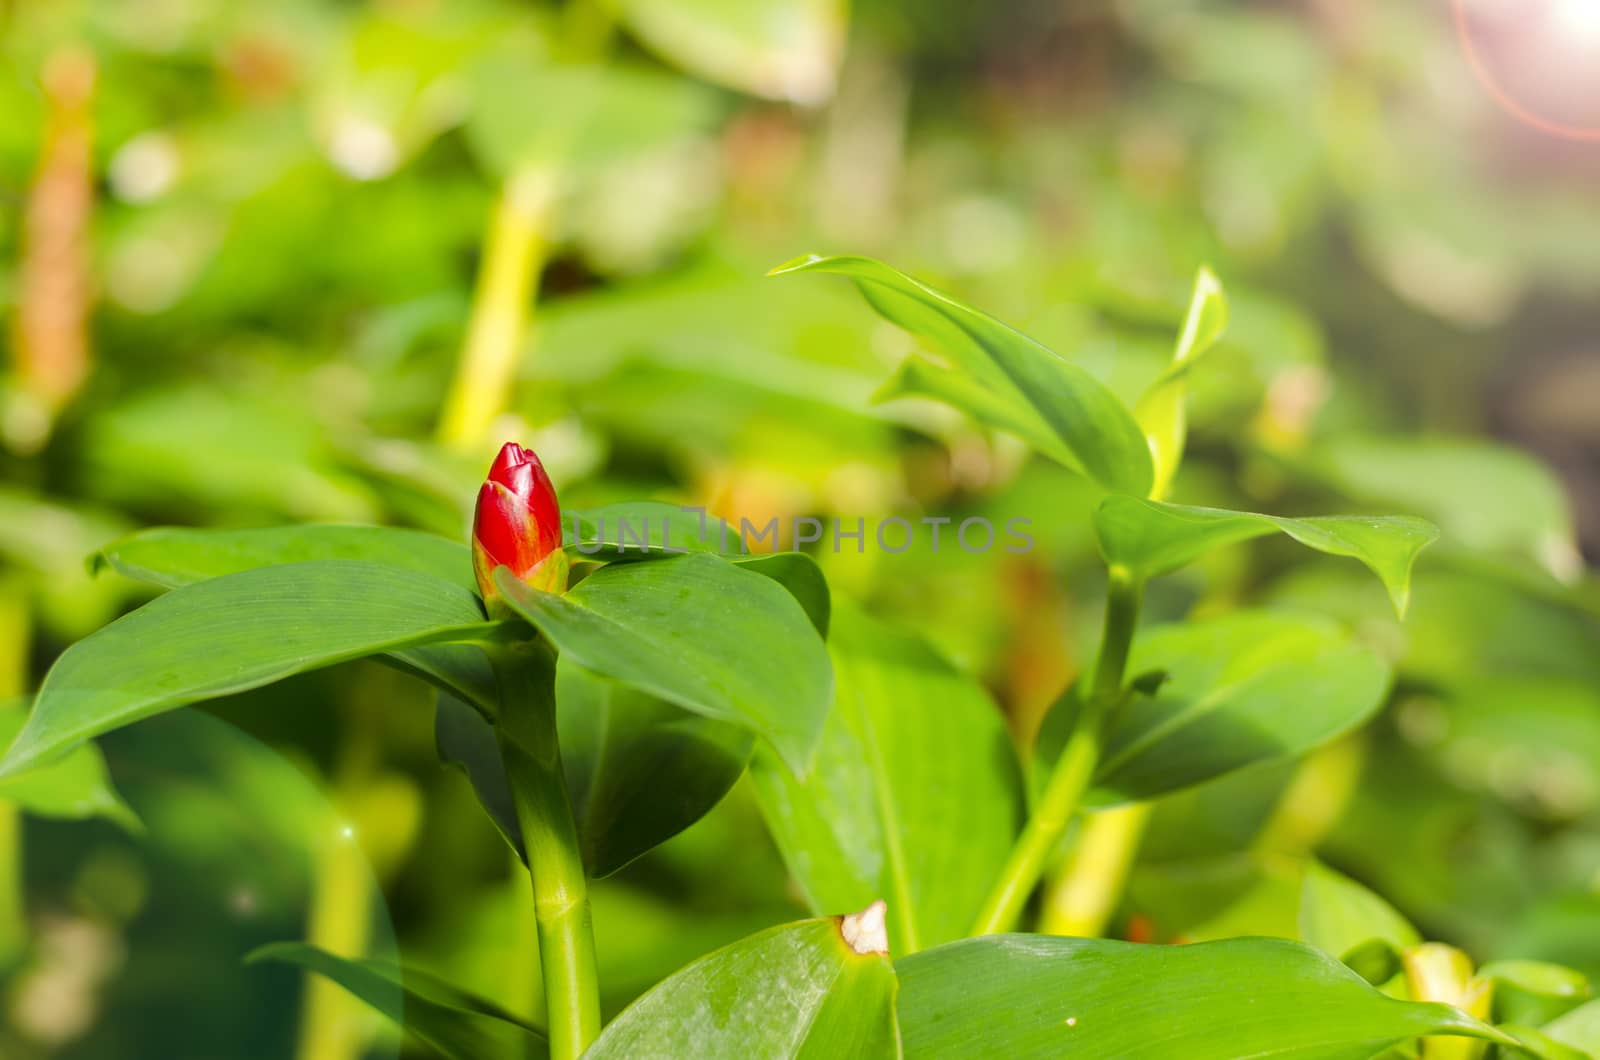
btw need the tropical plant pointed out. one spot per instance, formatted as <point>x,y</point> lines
<point>606,676</point>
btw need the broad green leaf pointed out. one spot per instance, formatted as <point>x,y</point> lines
<point>1579,1028</point>
<point>1003,378</point>
<point>1150,538</point>
<point>815,988</point>
<point>1030,995</point>
<point>1243,689</point>
<point>608,113</point>
<point>779,49</point>
<point>458,1025</point>
<point>651,530</point>
<point>915,793</point>
<point>171,557</point>
<point>230,447</point>
<point>1201,898</point>
<point>697,631</point>
<point>1535,1042</point>
<point>1510,735</point>
<point>465,739</point>
<point>1337,914</point>
<point>174,556</point>
<point>800,575</point>
<point>1540,978</point>
<point>1487,497</point>
<point>919,377</point>
<point>640,769</point>
<point>233,633</point>
<point>646,529</point>
<point>74,786</point>
<point>1160,410</point>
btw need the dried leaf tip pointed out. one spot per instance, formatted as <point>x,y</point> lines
<point>867,932</point>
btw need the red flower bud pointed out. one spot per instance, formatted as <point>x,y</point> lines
<point>518,525</point>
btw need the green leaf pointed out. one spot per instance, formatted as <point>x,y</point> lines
<point>640,770</point>
<point>458,1025</point>
<point>1242,689</point>
<point>1537,1043</point>
<point>1337,914</point>
<point>915,793</point>
<point>608,114</point>
<point>799,990</point>
<point>1488,497</point>
<point>638,530</point>
<point>646,529</point>
<point>171,557</point>
<point>175,556</point>
<point>1160,410</point>
<point>465,739</point>
<point>75,786</point>
<point>1579,1028</point>
<point>1150,538</point>
<point>800,575</point>
<point>1540,978</point>
<point>697,631</point>
<point>1003,378</point>
<point>1030,995</point>
<point>780,49</point>
<point>234,633</point>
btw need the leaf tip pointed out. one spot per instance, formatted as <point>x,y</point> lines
<point>1400,588</point>
<point>799,264</point>
<point>867,932</point>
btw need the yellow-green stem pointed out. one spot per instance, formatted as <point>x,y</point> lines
<point>1085,893</point>
<point>1316,797</point>
<point>16,627</point>
<point>532,755</point>
<point>335,1026</point>
<point>1073,770</point>
<point>502,304</point>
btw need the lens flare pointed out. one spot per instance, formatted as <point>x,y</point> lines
<point>1565,36</point>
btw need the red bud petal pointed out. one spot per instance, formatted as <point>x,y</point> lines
<point>517,523</point>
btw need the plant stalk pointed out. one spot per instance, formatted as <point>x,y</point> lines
<point>16,628</point>
<point>1074,770</point>
<point>515,249</point>
<point>1083,896</point>
<point>532,755</point>
<point>334,1025</point>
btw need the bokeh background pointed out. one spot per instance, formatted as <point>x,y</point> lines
<point>314,259</point>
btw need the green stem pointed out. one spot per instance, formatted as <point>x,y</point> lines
<point>1075,768</point>
<point>16,627</point>
<point>508,280</point>
<point>532,756</point>
<point>1082,898</point>
<point>334,1025</point>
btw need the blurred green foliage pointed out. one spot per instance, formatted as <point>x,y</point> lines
<point>265,258</point>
